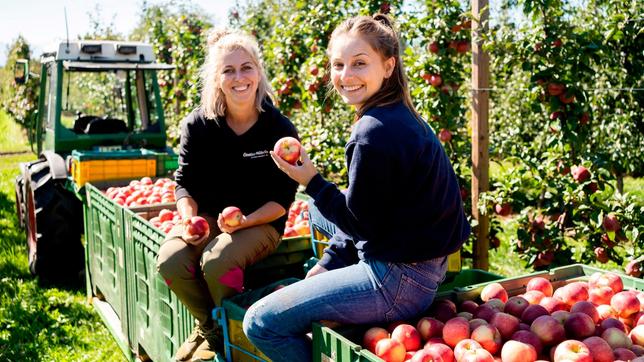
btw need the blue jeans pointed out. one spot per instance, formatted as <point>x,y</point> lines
<point>369,292</point>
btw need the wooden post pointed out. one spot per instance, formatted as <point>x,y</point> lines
<point>480,139</point>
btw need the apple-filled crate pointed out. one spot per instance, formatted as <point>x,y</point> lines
<point>572,313</point>
<point>126,222</point>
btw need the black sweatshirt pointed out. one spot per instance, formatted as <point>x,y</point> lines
<point>403,203</point>
<point>218,168</point>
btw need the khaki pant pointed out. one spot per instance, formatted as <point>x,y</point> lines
<point>200,275</point>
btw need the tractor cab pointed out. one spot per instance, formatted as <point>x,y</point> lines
<point>99,118</point>
<point>98,95</point>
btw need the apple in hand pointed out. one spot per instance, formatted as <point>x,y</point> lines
<point>232,216</point>
<point>288,148</point>
<point>196,226</point>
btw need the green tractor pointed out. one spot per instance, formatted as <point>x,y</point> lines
<point>98,98</point>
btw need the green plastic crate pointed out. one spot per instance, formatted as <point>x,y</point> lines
<point>236,346</point>
<point>106,251</point>
<point>158,321</point>
<point>557,276</point>
<point>167,161</point>
<point>343,344</point>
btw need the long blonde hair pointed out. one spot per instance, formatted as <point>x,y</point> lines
<point>220,42</point>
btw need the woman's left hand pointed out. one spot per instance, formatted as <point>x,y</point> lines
<point>230,229</point>
<point>301,173</point>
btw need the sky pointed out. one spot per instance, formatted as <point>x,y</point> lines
<point>42,22</point>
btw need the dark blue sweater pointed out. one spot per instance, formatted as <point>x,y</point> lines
<point>403,202</point>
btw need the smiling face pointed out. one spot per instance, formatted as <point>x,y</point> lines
<point>357,70</point>
<point>238,77</point>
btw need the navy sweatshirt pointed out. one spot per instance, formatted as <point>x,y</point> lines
<point>403,203</point>
<point>219,168</point>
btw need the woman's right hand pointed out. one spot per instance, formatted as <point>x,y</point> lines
<point>317,269</point>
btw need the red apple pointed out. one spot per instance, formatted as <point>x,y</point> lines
<point>390,350</point>
<point>485,312</point>
<point>616,338</point>
<point>496,303</point>
<point>476,322</point>
<point>429,327</point>
<point>599,349</point>
<point>440,350</point>
<point>553,304</point>
<point>572,350</point>
<point>529,338</point>
<point>408,336</point>
<point>548,329</point>
<point>517,351</point>
<point>566,99</point>
<point>534,296</point>
<point>611,280</point>
<point>612,323</point>
<point>466,315</point>
<point>444,135</point>
<point>637,335</point>
<point>611,223</point>
<point>532,312</point>
<point>579,326</point>
<point>572,293</point>
<point>422,356</point>
<point>196,225</point>
<point>468,306</point>
<point>516,305</point>
<point>232,216</point>
<point>580,173</point>
<point>634,268</point>
<point>456,330</point>
<point>435,80</point>
<point>561,315</point>
<point>477,355</point>
<point>587,308</point>
<point>600,295</point>
<point>443,310</point>
<point>372,336</point>
<point>555,89</point>
<point>601,254</point>
<point>494,291</point>
<point>503,209</point>
<point>488,337</point>
<point>288,148</point>
<point>507,324</point>
<point>625,303</point>
<point>624,354</point>
<point>433,47</point>
<point>464,346</point>
<point>606,311</point>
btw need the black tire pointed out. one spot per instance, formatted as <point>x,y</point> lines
<point>54,220</point>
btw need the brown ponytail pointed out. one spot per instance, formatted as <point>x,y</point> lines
<point>380,33</point>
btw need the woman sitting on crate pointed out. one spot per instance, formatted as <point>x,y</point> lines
<point>224,161</point>
<point>401,215</point>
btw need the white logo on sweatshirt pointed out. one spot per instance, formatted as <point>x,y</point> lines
<point>256,154</point>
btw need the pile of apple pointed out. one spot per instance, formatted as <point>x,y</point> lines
<point>580,321</point>
<point>297,223</point>
<point>166,220</point>
<point>143,192</point>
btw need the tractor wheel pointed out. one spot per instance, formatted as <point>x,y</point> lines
<point>54,220</point>
<point>20,201</point>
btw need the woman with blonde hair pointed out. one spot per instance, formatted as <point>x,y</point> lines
<point>224,161</point>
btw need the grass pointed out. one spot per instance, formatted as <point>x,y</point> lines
<point>38,323</point>
<point>12,137</point>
